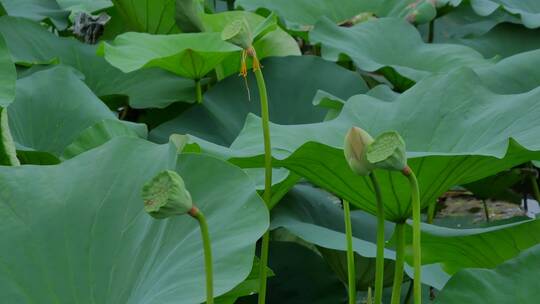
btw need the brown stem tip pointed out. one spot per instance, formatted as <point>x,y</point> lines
<point>406,171</point>
<point>193,211</point>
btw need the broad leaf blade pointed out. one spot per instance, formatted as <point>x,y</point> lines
<point>52,108</point>
<point>37,10</point>
<point>190,55</point>
<point>80,233</point>
<point>31,44</point>
<point>511,282</point>
<point>448,139</point>
<point>147,16</point>
<point>292,83</point>
<point>457,249</point>
<point>392,43</point>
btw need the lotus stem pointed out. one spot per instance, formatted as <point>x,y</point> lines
<point>198,91</point>
<point>6,142</point>
<point>399,231</point>
<point>267,195</point>
<point>379,262</point>
<point>350,253</point>
<point>431,212</point>
<point>431,31</point>
<point>197,214</point>
<point>369,298</point>
<point>417,256</point>
<point>486,210</point>
<point>407,299</point>
<point>534,184</point>
<point>230,5</point>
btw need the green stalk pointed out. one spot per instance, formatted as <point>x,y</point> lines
<point>486,210</point>
<point>267,195</point>
<point>431,31</point>
<point>198,90</point>
<point>379,262</point>
<point>230,5</point>
<point>7,145</point>
<point>399,231</point>
<point>207,256</point>
<point>534,184</point>
<point>431,212</point>
<point>417,260</point>
<point>350,253</point>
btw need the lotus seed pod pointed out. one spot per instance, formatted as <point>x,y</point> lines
<point>238,33</point>
<point>165,195</point>
<point>356,144</point>
<point>388,152</point>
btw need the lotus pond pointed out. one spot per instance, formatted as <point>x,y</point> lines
<point>269,151</point>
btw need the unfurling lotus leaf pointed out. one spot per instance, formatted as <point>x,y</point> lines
<point>166,195</point>
<point>356,146</point>
<point>238,33</point>
<point>388,152</point>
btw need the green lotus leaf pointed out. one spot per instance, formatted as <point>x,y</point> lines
<point>420,12</point>
<point>88,6</point>
<point>528,10</point>
<point>301,15</point>
<point>498,187</point>
<point>293,81</point>
<point>53,107</point>
<point>190,55</point>
<point>8,75</point>
<point>316,217</point>
<point>503,40</point>
<point>37,10</point>
<point>392,43</point>
<point>456,249</point>
<point>32,44</point>
<point>511,282</point>
<point>462,21</point>
<point>100,133</point>
<point>147,16</point>
<point>188,15</point>
<point>249,286</point>
<point>512,75</point>
<point>78,232</point>
<point>335,104</point>
<point>444,146</point>
<point>302,276</point>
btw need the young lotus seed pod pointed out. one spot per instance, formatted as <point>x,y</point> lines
<point>356,144</point>
<point>165,195</point>
<point>388,152</point>
<point>238,33</point>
